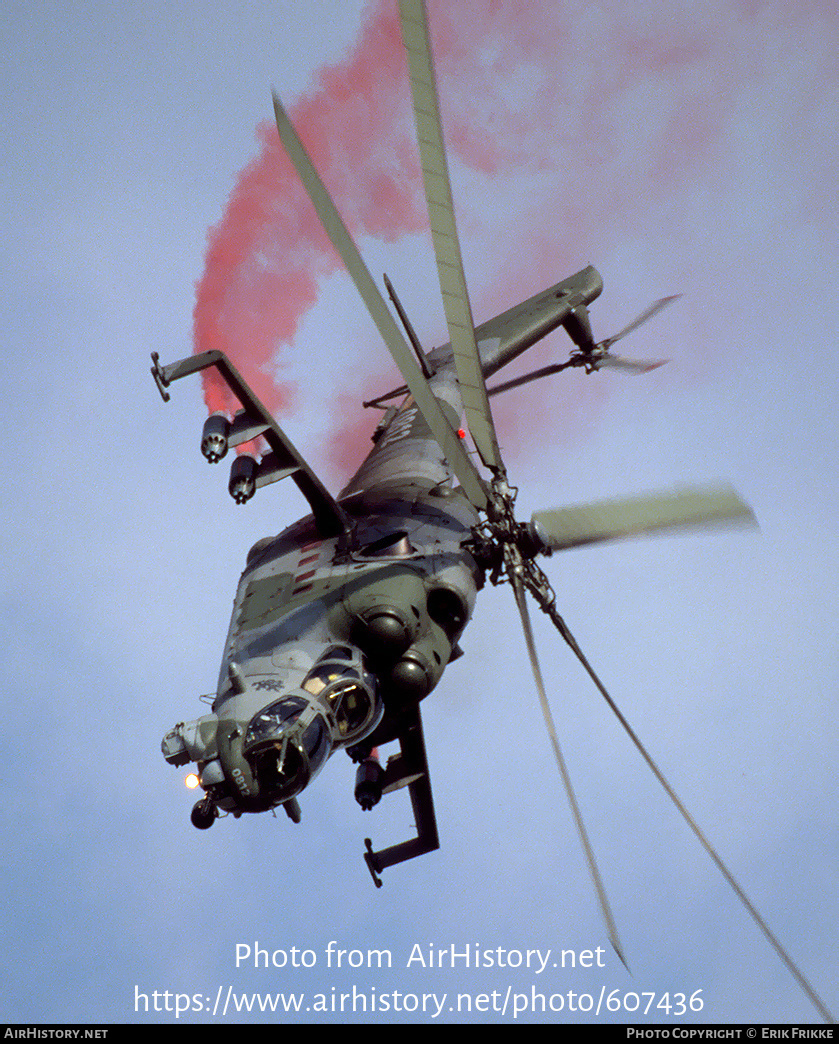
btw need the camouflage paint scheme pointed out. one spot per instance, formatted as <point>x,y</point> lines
<point>388,573</point>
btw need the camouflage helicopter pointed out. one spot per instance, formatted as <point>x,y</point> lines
<point>344,622</point>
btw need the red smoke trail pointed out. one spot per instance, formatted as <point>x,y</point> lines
<point>576,129</point>
<point>267,257</point>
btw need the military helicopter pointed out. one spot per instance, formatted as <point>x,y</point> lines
<point>345,622</point>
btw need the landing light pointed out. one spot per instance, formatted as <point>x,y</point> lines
<point>191,781</point>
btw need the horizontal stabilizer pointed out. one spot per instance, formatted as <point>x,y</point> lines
<point>616,519</point>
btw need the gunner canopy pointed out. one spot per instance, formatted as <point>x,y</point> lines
<point>288,742</point>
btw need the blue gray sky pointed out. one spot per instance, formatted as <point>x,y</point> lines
<point>124,133</point>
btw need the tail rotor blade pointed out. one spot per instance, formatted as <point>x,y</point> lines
<point>615,519</point>
<point>648,313</point>
<point>608,360</point>
<point>611,927</point>
<point>620,362</point>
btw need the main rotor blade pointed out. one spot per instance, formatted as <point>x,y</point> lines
<point>654,309</point>
<point>549,608</point>
<point>403,356</point>
<point>614,519</point>
<point>441,217</point>
<point>611,927</point>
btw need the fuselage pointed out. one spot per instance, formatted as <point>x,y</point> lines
<point>343,622</point>
<point>332,638</point>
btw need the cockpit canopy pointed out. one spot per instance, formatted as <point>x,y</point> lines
<point>287,742</point>
<point>342,681</point>
<point>271,720</point>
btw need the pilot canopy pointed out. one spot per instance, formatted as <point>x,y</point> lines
<point>346,686</point>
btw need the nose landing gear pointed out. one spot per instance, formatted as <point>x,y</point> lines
<point>204,813</point>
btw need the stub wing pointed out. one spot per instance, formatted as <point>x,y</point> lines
<point>254,421</point>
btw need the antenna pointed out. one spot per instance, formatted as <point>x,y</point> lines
<point>409,330</point>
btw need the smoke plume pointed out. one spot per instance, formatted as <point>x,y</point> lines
<point>573,129</point>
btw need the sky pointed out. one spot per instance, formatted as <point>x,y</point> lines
<point>683,148</point>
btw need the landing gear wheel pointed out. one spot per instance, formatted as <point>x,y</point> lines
<point>203,814</point>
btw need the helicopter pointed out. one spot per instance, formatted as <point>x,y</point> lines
<point>345,622</point>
